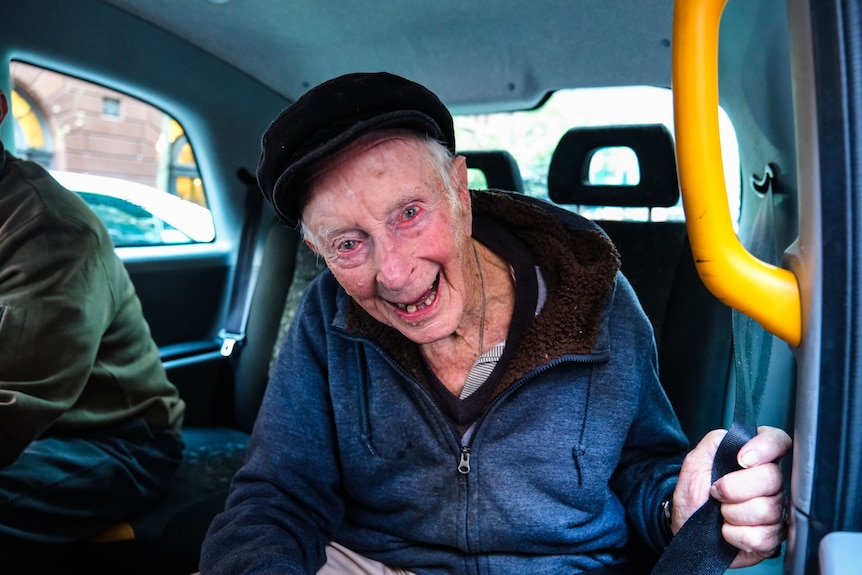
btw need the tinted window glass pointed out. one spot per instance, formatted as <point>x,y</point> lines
<point>531,136</point>
<point>131,162</point>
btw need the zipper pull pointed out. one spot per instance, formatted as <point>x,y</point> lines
<point>464,461</point>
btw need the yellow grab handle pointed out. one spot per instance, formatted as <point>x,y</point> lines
<point>766,293</point>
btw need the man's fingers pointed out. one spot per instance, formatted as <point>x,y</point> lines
<point>770,444</point>
<point>754,543</point>
<point>739,486</point>
<point>756,527</point>
<point>756,512</point>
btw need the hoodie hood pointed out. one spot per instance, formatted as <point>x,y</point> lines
<point>579,264</point>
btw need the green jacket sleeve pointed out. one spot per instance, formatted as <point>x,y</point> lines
<point>55,303</point>
<point>76,353</point>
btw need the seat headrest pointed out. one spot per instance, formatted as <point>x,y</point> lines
<point>568,176</point>
<point>500,168</point>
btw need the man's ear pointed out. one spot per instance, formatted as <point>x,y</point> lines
<point>459,164</point>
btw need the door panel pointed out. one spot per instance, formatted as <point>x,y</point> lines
<point>182,297</point>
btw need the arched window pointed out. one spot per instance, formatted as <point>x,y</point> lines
<point>130,161</point>
<point>184,180</point>
<point>33,140</point>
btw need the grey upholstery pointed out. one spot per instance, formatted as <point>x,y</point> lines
<point>500,168</point>
<point>305,269</point>
<point>692,328</point>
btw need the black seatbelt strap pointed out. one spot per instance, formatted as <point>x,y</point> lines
<point>233,333</point>
<point>699,548</point>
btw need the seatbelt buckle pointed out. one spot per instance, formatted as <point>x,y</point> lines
<point>230,342</point>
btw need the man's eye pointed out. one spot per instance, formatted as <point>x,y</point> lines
<point>410,212</point>
<point>347,245</point>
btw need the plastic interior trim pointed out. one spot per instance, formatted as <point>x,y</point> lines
<point>764,292</point>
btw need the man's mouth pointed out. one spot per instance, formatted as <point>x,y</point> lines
<point>423,302</point>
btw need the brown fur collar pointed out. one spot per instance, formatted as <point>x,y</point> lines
<point>579,265</point>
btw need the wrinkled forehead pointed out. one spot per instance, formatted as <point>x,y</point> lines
<point>398,141</point>
<point>401,151</point>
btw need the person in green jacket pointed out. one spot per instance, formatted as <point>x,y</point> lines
<point>89,423</point>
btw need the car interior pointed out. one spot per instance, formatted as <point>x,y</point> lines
<point>785,75</point>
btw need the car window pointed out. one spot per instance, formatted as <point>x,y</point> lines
<point>131,162</point>
<point>531,136</point>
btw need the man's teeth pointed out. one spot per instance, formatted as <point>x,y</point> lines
<point>410,308</point>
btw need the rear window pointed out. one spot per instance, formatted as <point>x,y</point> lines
<point>132,163</point>
<point>531,136</point>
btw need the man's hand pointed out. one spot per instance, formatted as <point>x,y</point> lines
<point>752,499</point>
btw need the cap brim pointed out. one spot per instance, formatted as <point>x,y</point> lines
<point>286,198</point>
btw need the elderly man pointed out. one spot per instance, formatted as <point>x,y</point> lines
<point>89,423</point>
<point>472,387</point>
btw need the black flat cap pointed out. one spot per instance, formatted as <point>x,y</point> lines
<point>332,115</point>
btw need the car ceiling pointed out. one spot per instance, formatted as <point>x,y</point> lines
<point>501,54</point>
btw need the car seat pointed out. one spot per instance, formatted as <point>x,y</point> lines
<point>692,328</point>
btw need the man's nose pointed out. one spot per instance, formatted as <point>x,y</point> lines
<point>395,263</point>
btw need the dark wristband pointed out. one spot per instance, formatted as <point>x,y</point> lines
<point>666,511</point>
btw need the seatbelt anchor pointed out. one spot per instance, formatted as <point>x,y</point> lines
<point>230,342</point>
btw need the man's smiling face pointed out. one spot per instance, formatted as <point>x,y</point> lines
<point>390,234</point>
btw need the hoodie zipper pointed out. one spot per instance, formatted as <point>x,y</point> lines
<point>464,454</point>
<point>464,460</point>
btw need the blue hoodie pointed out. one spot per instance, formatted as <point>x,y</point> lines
<point>568,464</point>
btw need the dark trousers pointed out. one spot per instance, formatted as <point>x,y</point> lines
<point>68,489</point>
